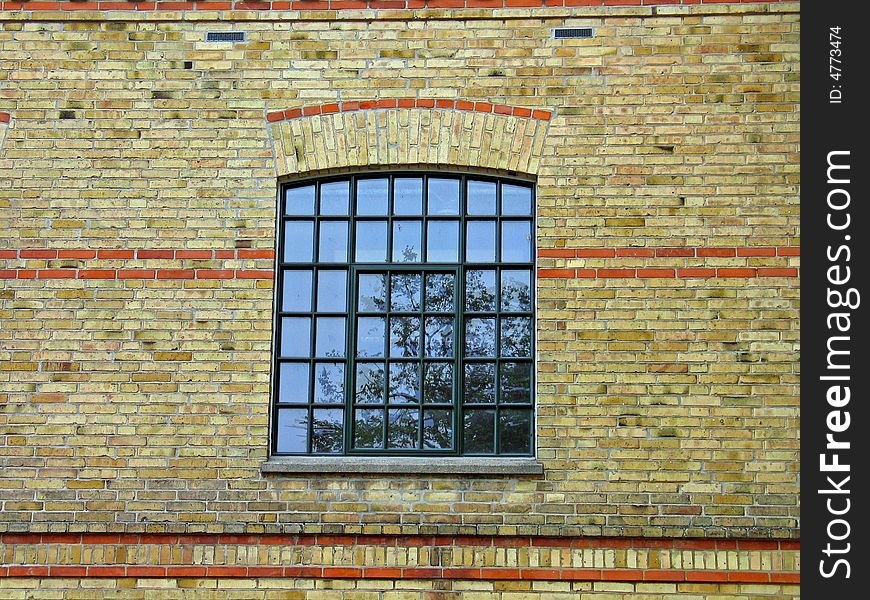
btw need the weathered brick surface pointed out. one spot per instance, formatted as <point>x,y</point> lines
<point>134,394</point>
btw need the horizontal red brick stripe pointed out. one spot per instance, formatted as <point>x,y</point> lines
<point>689,273</point>
<point>75,5</point>
<point>464,105</point>
<point>136,273</point>
<point>725,252</point>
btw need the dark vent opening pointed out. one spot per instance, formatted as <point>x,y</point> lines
<point>573,32</point>
<point>225,36</point>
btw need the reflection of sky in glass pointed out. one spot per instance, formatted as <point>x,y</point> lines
<point>298,241</point>
<point>334,198</point>
<point>332,291</point>
<point>333,241</point>
<point>442,241</point>
<point>443,196</point>
<point>295,332</point>
<point>481,198</point>
<point>408,196</point>
<point>516,241</point>
<point>299,201</point>
<point>372,196</point>
<point>371,241</point>
<point>293,382</point>
<point>371,332</point>
<point>292,430</point>
<point>297,291</point>
<point>330,339</point>
<point>480,241</point>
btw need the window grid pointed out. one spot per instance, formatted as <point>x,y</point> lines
<point>461,408</point>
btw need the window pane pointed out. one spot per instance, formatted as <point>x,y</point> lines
<point>369,383</point>
<point>516,336</point>
<point>480,291</point>
<point>480,337</point>
<point>327,431</point>
<point>481,197</point>
<point>516,241</point>
<point>404,383</point>
<point>404,336</point>
<point>372,196</point>
<point>368,428</point>
<point>516,382</point>
<point>514,431</point>
<point>408,196</point>
<point>516,200</point>
<point>372,293</point>
<point>330,340</point>
<point>299,201</point>
<point>293,383</point>
<point>443,196</point>
<point>439,337</point>
<point>370,336</point>
<point>479,385</point>
<point>332,291</point>
<point>371,241</point>
<point>516,291</point>
<point>293,430</point>
<point>405,293</point>
<point>438,383</point>
<point>334,198</point>
<point>438,429</point>
<point>403,427</point>
<point>329,383</point>
<point>298,241</point>
<point>333,241</point>
<point>480,241</point>
<point>407,241</point>
<point>295,336</point>
<point>296,294</point>
<point>442,241</point>
<point>479,431</point>
<point>439,292</point>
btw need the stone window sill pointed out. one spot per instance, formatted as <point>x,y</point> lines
<point>429,465</point>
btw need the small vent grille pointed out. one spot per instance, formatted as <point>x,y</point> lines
<point>573,32</point>
<point>225,36</point>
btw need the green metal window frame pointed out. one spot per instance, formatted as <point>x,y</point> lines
<point>459,314</point>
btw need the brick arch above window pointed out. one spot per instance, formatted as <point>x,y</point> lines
<point>352,135</point>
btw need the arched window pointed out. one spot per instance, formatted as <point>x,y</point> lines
<point>405,316</point>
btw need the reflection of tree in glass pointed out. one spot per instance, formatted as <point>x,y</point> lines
<point>368,429</point>
<point>403,428</point>
<point>372,293</point>
<point>514,431</point>
<point>329,386</point>
<point>479,431</point>
<point>439,337</point>
<point>438,383</point>
<point>480,383</point>
<point>439,292</point>
<point>409,254</point>
<point>405,292</point>
<point>480,337</point>
<point>370,383</point>
<point>515,382</point>
<point>516,337</point>
<point>438,429</point>
<point>515,293</point>
<point>405,336</point>
<point>480,290</point>
<point>328,433</point>
<point>404,383</point>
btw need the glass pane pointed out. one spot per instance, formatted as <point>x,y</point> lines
<point>480,337</point>
<point>332,291</point>
<point>295,336</point>
<point>369,383</point>
<point>480,291</point>
<point>479,385</point>
<point>334,198</point>
<point>293,430</point>
<point>516,382</point>
<point>404,383</point>
<point>407,241</point>
<point>480,241</point>
<point>516,200</point>
<point>327,431</point>
<point>333,241</point>
<point>516,241</point>
<point>404,336</point>
<point>330,340</point>
<point>372,196</point>
<point>371,335</point>
<point>439,292</point>
<point>443,196</point>
<point>293,383</point>
<point>439,337</point>
<point>478,431</point>
<point>329,383</point>
<point>442,241</point>
<point>299,201</point>
<point>438,383</point>
<point>516,336</point>
<point>298,241</point>
<point>372,293</point>
<point>438,429</point>
<point>514,431</point>
<point>516,291</point>
<point>408,196</point>
<point>405,293</point>
<point>481,197</point>
<point>371,241</point>
<point>368,428</point>
<point>403,427</point>
<point>296,294</point>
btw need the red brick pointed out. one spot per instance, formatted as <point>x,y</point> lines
<point>622,575</point>
<point>76,253</point>
<point>483,107</point>
<point>56,274</point>
<point>735,272</point>
<point>788,251</point>
<point>252,253</point>
<point>115,253</point>
<point>136,273</point>
<point>193,254</point>
<point>265,571</point>
<point>215,273</point>
<point>303,572</point>
<point>662,273</point>
<point>595,253</point>
<point>556,253</point>
<point>706,576</point>
<point>460,573</point>
<point>522,112</point>
<point>756,252</point>
<point>696,272</point>
<point>58,571</point>
<point>106,572</point>
<point>675,252</point>
<point>748,577</point>
<point>582,575</point>
<point>26,273</point>
<point>542,115</point>
<point>645,252</point>
<point>556,273</point>
<point>382,573</point>
<point>342,572</point>
<point>37,254</point>
<point>146,571</point>
<point>176,274</point>
<point>186,571</point>
<point>97,273</point>
<point>717,252</point>
<point>254,274</point>
<point>663,575</point>
<point>788,578</point>
<point>292,113</point>
<point>18,571</point>
<point>541,574</point>
<point>616,273</point>
<point>777,272</point>
<point>155,254</point>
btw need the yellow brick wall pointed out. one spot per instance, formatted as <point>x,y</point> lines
<point>667,382</point>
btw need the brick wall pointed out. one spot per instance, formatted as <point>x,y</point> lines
<point>140,166</point>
